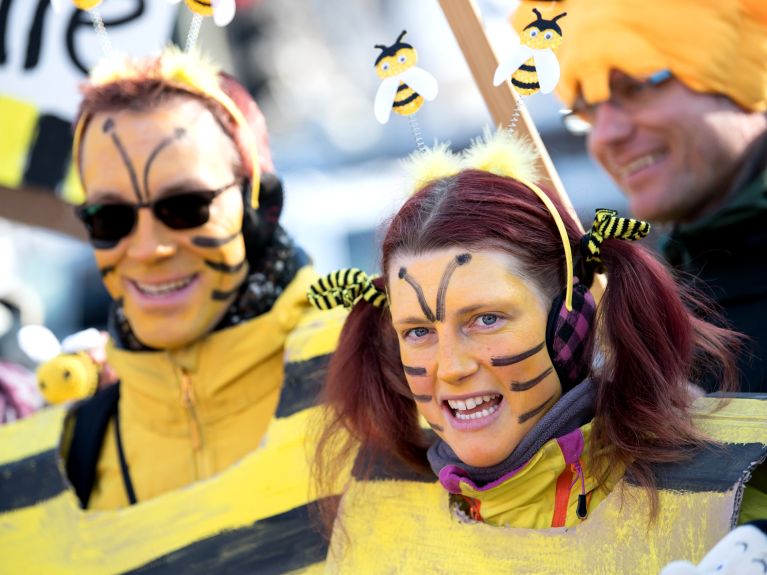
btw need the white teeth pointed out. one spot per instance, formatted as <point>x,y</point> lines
<point>640,163</point>
<point>469,403</point>
<point>477,415</point>
<point>163,289</point>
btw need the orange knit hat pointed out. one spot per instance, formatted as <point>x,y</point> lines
<point>711,46</point>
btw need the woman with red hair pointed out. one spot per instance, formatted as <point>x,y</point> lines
<point>504,420</point>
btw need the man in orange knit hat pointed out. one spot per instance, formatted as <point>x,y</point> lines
<point>673,97</point>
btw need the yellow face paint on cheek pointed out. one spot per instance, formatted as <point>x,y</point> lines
<point>472,344</point>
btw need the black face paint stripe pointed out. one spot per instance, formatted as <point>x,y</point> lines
<point>106,271</point>
<point>422,398</point>
<point>415,371</point>
<point>434,426</point>
<point>225,268</point>
<point>224,295</point>
<point>512,359</point>
<point>525,385</point>
<point>177,133</point>
<point>108,128</point>
<point>459,260</point>
<point>403,275</point>
<point>533,412</point>
<point>208,242</point>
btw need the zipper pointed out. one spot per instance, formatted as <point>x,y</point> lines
<point>187,396</point>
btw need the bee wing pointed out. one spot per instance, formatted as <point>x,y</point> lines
<point>60,5</point>
<point>547,67</point>
<point>385,98</point>
<point>223,11</point>
<point>84,340</point>
<point>421,81</point>
<point>506,68</point>
<point>38,342</point>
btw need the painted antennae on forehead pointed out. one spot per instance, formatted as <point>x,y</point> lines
<point>459,260</point>
<point>512,359</point>
<point>108,127</point>
<point>403,275</point>
<point>177,134</point>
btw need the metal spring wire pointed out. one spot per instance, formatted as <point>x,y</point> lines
<point>101,32</point>
<point>194,32</point>
<point>415,128</point>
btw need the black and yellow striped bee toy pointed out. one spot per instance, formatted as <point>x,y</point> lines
<point>532,65</point>
<point>405,85</point>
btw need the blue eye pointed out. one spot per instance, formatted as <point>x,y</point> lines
<point>417,332</point>
<point>488,319</point>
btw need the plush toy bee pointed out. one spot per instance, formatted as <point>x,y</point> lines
<point>221,10</point>
<point>60,5</point>
<point>405,85</point>
<point>533,65</point>
<point>67,371</point>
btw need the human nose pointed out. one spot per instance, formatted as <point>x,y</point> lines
<point>610,125</point>
<point>455,360</point>
<point>149,240</point>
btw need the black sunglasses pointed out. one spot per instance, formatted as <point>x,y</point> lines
<point>109,223</point>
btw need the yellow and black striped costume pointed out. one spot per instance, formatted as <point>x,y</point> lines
<point>250,517</point>
<point>396,522</point>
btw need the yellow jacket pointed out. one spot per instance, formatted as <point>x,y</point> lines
<point>248,516</point>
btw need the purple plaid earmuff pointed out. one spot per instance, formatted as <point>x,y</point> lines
<point>569,336</point>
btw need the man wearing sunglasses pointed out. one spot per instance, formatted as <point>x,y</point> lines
<point>672,97</point>
<point>198,453</point>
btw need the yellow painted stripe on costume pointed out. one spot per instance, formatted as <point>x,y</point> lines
<point>95,540</point>
<point>740,421</point>
<point>32,435</point>
<point>19,121</point>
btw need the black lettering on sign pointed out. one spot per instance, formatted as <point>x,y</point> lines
<point>5,8</point>
<point>36,35</point>
<point>82,19</point>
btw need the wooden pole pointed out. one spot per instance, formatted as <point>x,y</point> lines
<point>502,101</point>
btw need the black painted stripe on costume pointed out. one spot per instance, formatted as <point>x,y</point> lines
<point>422,398</point>
<point>374,465</point>
<point>277,544</point>
<point>512,359</point>
<point>302,383</point>
<point>109,128</point>
<point>535,411</point>
<point>525,385</point>
<point>714,468</point>
<point>414,371</point>
<point>406,101</point>
<point>29,481</point>
<point>177,133</point>
<point>403,275</point>
<point>459,260</point>
<point>527,68</point>
<point>402,86</point>
<point>209,242</point>
<point>226,268</point>
<point>48,156</point>
<point>525,85</point>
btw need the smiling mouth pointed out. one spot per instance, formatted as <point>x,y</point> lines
<point>474,407</point>
<point>640,163</point>
<point>163,289</point>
